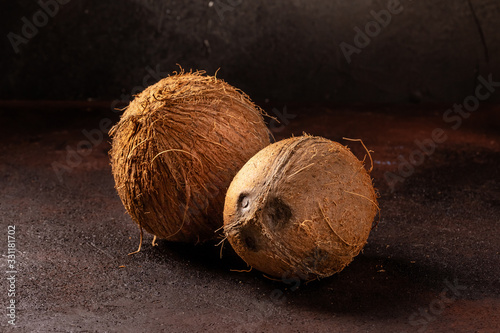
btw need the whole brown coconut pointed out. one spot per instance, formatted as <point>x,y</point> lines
<point>301,207</point>
<point>176,149</point>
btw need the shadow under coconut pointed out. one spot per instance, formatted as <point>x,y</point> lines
<point>446,216</point>
<point>370,285</point>
<point>204,257</point>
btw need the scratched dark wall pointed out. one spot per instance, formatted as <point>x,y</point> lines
<point>282,50</point>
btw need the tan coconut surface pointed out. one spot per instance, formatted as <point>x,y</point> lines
<point>301,207</point>
<point>176,149</point>
<point>431,264</point>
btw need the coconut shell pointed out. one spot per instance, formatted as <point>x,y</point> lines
<point>301,207</point>
<point>176,149</point>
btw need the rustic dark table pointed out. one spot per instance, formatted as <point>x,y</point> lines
<point>432,263</point>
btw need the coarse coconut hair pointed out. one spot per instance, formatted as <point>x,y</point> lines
<point>176,149</point>
<point>301,207</point>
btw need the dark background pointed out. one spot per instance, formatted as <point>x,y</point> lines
<point>438,224</point>
<point>281,50</point>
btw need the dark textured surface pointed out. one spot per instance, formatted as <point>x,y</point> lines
<point>281,50</point>
<point>439,226</point>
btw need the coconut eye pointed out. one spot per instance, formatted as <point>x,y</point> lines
<point>250,243</point>
<point>243,201</point>
<point>249,237</point>
<point>278,212</point>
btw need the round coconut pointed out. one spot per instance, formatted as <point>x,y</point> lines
<point>301,207</point>
<point>176,149</point>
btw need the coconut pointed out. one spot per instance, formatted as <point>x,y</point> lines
<point>176,149</point>
<point>301,207</point>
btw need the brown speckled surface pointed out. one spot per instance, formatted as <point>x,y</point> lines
<point>438,227</point>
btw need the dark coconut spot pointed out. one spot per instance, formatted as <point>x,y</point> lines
<point>250,243</point>
<point>278,212</point>
<point>249,237</point>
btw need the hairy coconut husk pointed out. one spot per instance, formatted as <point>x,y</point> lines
<point>176,149</point>
<point>301,207</point>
